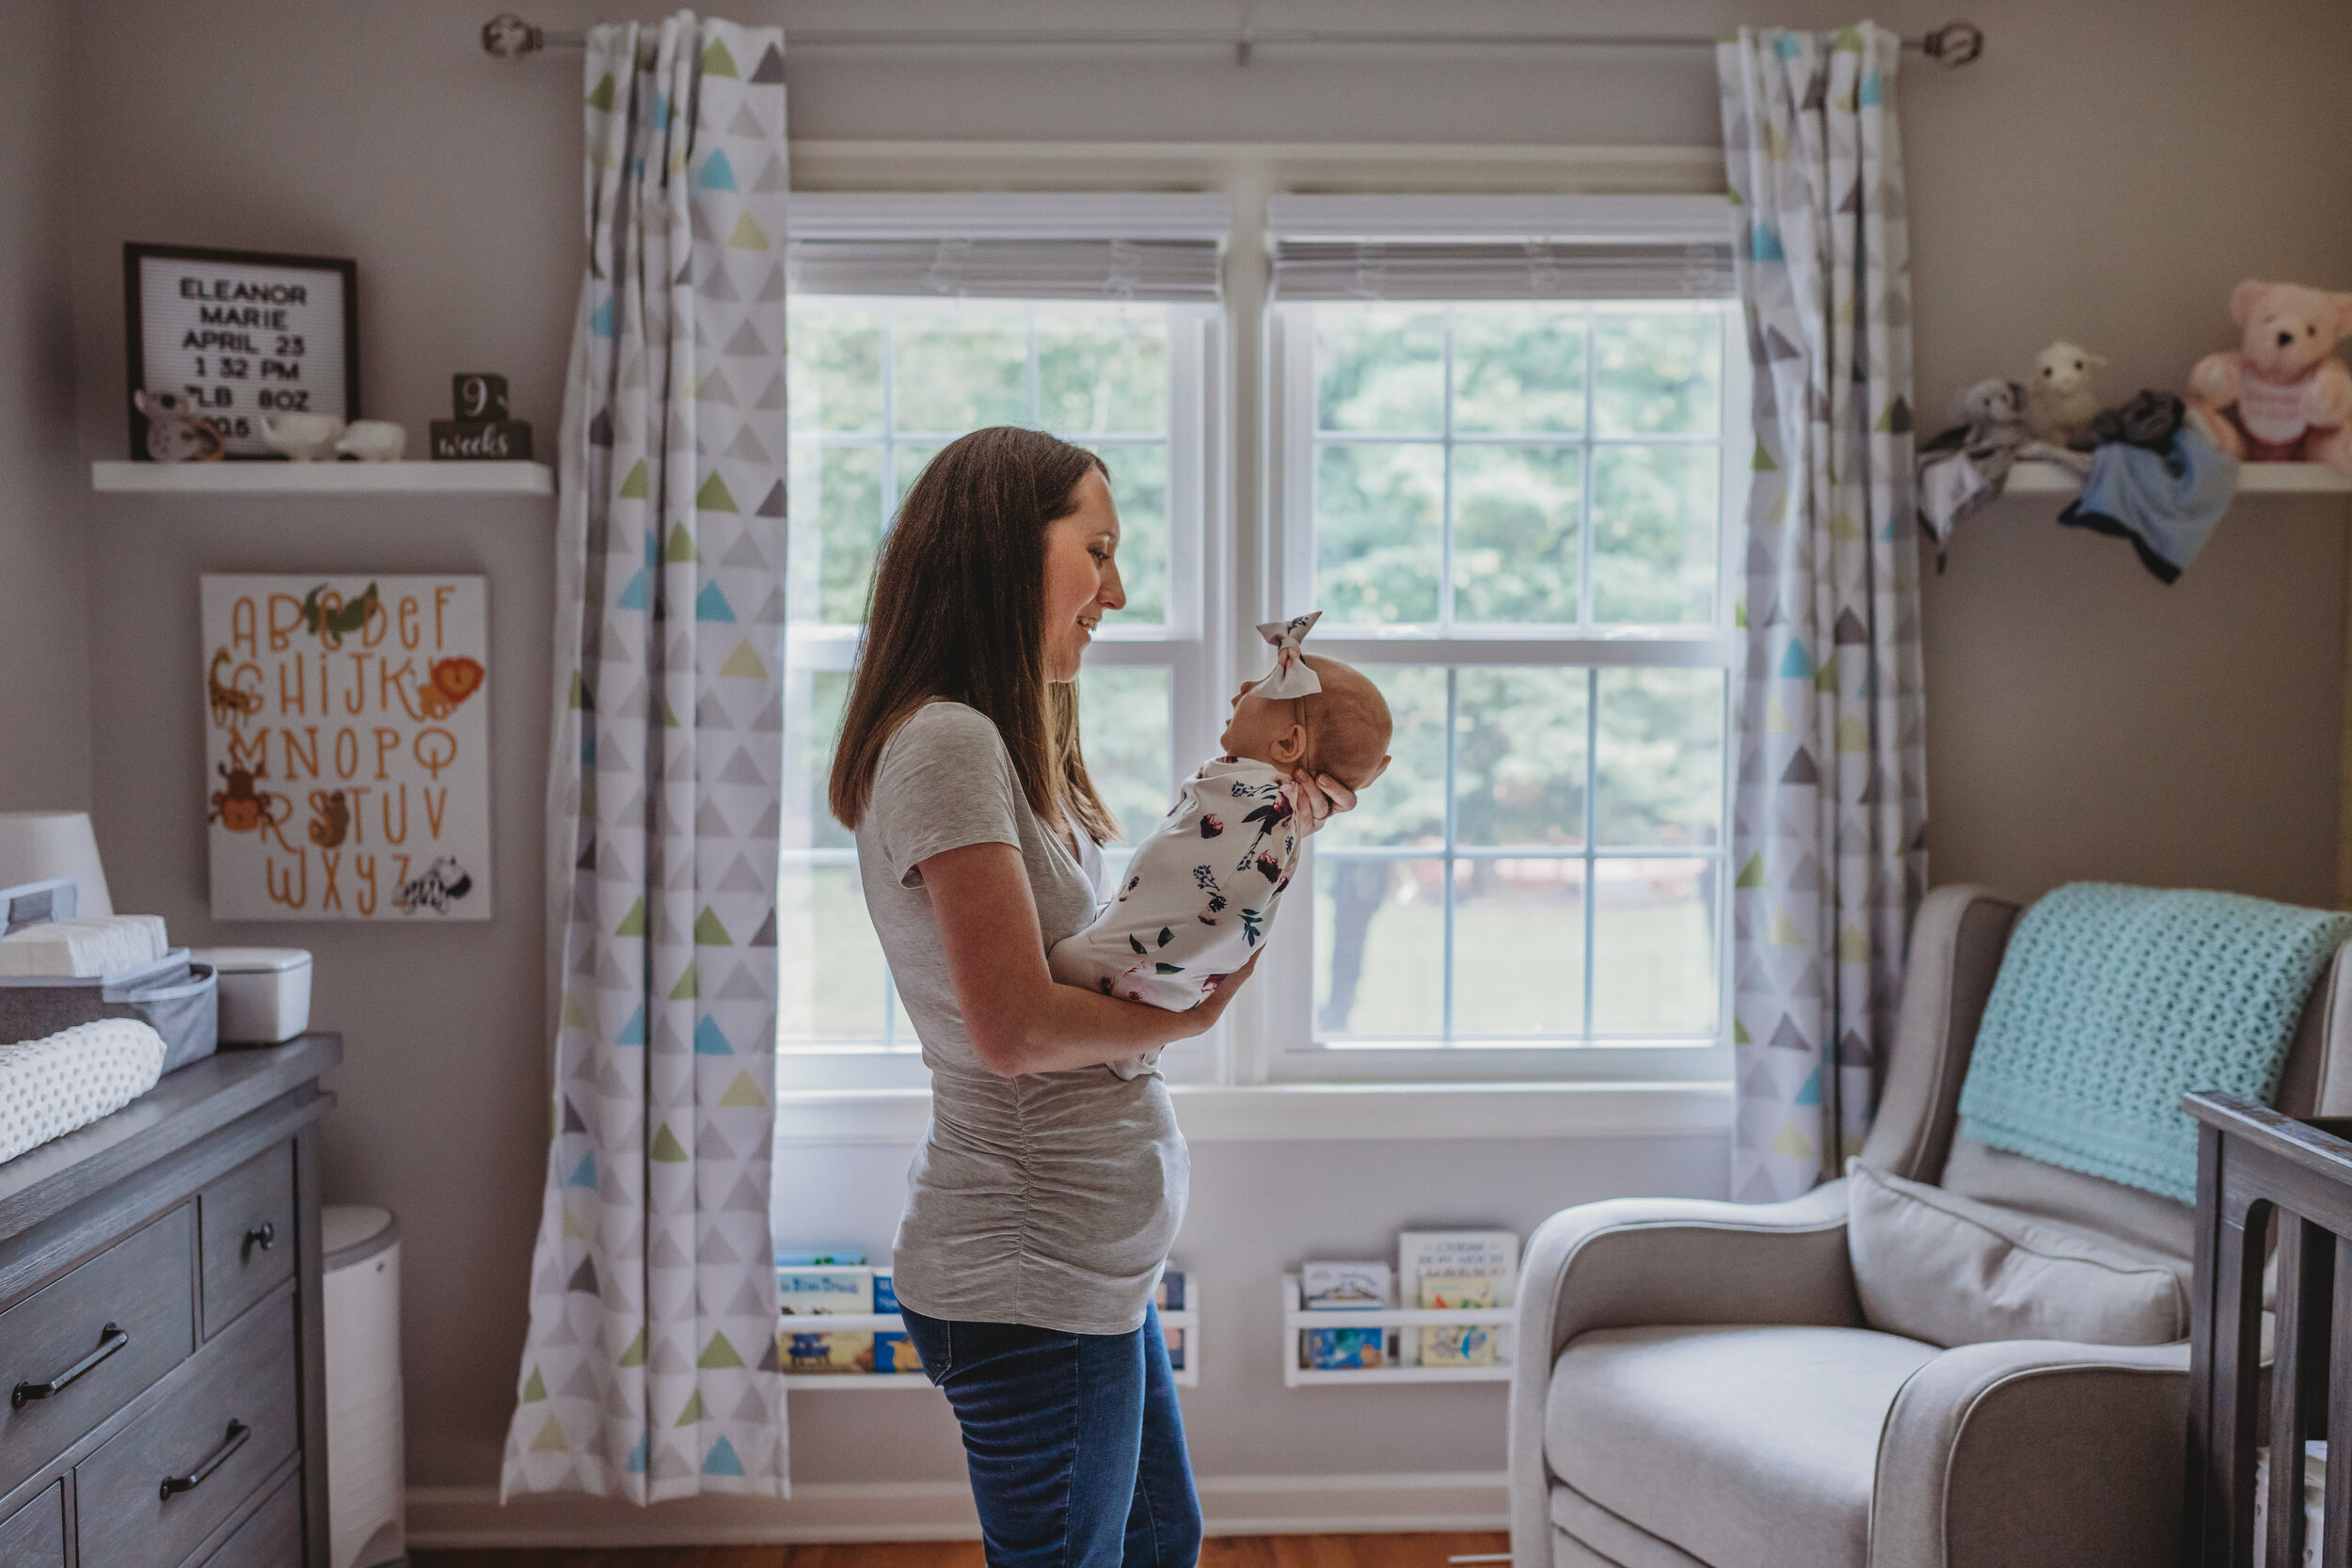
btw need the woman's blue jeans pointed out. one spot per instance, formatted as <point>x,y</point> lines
<point>1074,1442</point>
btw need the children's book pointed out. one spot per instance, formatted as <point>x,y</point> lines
<point>1341,1288</point>
<point>1463,1344</point>
<point>825,1291</point>
<point>1169,1296</point>
<point>829,1259</point>
<point>1492,1255</point>
<point>893,1352</point>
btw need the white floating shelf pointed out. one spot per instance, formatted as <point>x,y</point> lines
<point>2056,479</point>
<point>1296,1322</point>
<point>1188,1377</point>
<point>324,479</point>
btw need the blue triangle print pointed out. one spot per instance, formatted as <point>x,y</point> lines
<point>601,322</point>
<point>722,1460</point>
<point>709,1042</point>
<point>636,1465</point>
<point>584,1174</point>
<point>1811,1093</point>
<point>711,605</point>
<point>1764,244</point>
<point>1796,664</point>
<point>633,1032</point>
<point>633,596</point>
<point>718,174</point>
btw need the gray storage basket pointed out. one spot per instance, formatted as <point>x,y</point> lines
<point>178,999</point>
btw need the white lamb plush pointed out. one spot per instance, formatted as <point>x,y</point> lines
<point>2059,401</point>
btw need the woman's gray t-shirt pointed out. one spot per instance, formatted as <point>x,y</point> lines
<point>1050,1200</point>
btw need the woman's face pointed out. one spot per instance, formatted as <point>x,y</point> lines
<point>1081,575</point>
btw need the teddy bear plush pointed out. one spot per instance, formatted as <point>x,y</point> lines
<point>2059,400</point>
<point>2281,396</point>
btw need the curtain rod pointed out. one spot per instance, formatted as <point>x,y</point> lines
<point>509,37</point>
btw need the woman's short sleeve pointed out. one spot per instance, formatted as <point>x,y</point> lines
<point>944,781</point>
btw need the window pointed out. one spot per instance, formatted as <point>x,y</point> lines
<point>1510,512</point>
<point>879,383</point>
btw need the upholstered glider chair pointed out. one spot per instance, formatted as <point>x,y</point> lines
<point>1728,1386</point>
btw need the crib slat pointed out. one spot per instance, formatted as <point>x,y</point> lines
<point>2305,1253</point>
<point>2336,1497</point>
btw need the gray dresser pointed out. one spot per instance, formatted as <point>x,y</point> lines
<point>160,1333</point>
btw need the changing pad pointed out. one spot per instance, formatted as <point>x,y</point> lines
<point>52,1085</point>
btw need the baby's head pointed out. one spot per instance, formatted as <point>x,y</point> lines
<point>1342,730</point>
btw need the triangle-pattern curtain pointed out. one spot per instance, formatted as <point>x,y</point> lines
<point>651,1370</point>
<point>1830,805</point>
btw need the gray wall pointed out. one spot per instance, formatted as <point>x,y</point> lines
<point>2106,173</point>
<point>44,646</point>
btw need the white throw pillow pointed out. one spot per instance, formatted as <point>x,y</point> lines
<point>1949,1269</point>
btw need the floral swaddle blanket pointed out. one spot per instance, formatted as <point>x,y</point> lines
<point>1199,896</point>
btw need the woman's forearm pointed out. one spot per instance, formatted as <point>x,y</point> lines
<point>1071,1027</point>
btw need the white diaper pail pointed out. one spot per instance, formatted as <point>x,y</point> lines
<point>364,1470</point>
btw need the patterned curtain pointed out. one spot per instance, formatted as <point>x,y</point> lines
<point>651,1369</point>
<point>1830,807</point>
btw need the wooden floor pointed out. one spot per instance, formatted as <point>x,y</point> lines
<point>1231,1551</point>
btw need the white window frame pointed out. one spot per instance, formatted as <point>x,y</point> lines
<point>1189,644</point>
<point>1273,1040</point>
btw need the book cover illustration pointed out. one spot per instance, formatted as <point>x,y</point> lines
<point>893,1352</point>
<point>1458,1344</point>
<point>835,1291</point>
<point>1339,1287</point>
<point>1492,1255</point>
<point>1169,1296</point>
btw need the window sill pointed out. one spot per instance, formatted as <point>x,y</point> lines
<point>1282,1113</point>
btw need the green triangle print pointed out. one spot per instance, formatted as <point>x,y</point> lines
<point>666,1148</point>
<point>1751,874</point>
<point>534,1388</point>
<point>689,985</point>
<point>635,1354</point>
<point>637,484</point>
<point>601,100</point>
<point>694,1411</point>
<point>714,496</point>
<point>551,1438</point>
<point>742,1095</point>
<point>709,932</point>
<point>720,1353</point>
<point>681,545</point>
<point>633,922</point>
<point>718,62</point>
<point>1762,462</point>
<point>748,235</point>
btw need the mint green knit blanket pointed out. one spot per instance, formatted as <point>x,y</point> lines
<point>2114,1002</point>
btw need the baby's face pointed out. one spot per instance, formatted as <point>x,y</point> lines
<point>1264,729</point>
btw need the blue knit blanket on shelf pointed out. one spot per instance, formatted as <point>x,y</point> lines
<point>2114,1002</point>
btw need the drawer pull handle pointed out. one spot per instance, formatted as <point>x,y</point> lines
<point>263,1235</point>
<point>110,1339</point>
<point>230,1442</point>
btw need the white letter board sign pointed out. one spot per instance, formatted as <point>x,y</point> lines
<point>241,335</point>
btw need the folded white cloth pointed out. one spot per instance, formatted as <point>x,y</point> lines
<point>99,944</point>
<point>60,1081</point>
<point>1293,675</point>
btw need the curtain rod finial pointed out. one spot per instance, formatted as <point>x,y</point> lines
<point>509,37</point>
<point>1954,44</point>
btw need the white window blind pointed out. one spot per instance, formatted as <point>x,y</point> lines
<point>1340,248</point>
<point>1161,248</point>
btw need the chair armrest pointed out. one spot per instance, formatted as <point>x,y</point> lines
<point>1630,1262</point>
<point>2034,1453</point>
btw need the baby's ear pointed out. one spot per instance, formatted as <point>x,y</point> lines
<point>1291,746</point>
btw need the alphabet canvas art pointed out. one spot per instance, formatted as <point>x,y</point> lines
<point>346,756</point>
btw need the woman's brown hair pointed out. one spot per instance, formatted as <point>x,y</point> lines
<point>957,610</point>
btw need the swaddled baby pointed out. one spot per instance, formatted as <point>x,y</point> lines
<point>1201,890</point>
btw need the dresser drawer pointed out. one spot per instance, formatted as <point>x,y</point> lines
<point>139,1289</point>
<point>226,1428</point>
<point>246,1221</point>
<point>34,1535</point>
<point>271,1538</point>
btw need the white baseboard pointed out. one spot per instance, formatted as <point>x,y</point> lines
<point>471,1517</point>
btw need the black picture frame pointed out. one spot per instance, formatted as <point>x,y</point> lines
<point>134,344</point>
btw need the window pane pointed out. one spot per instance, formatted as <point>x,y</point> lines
<point>1379,368</point>
<point>1654,533</point>
<point>1378,514</point>
<point>1518,369</point>
<point>1379,948</point>
<point>835,510</point>
<point>1515,532</point>
<point>1656,374</point>
<point>834,988</point>
<point>1098,374</point>
<point>1520,755</point>
<point>1654,948</point>
<point>1661,758</point>
<point>958,372</point>
<point>1407,805</point>
<point>812,722</point>
<point>835,370</point>
<point>1139,472</point>
<point>1518,947</point>
<point>1123,730</point>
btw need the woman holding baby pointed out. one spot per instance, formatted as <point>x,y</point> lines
<point>1048,1188</point>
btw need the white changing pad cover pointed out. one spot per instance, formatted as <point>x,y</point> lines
<point>61,1082</point>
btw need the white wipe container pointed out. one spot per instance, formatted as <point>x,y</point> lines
<point>265,993</point>
<point>365,1471</point>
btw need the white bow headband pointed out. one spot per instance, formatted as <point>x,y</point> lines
<point>1293,676</point>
